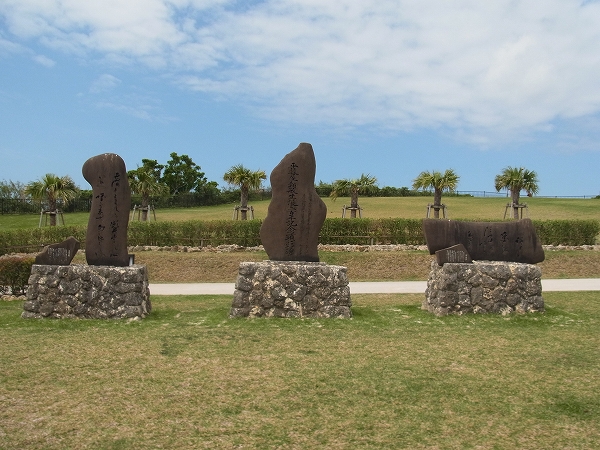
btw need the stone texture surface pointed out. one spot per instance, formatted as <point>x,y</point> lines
<point>492,241</point>
<point>92,292</point>
<point>106,237</point>
<point>291,289</point>
<point>60,254</point>
<point>483,287</point>
<point>290,232</point>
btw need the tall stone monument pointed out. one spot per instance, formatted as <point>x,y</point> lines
<point>106,288</point>
<point>106,238</point>
<point>290,232</point>
<point>293,283</point>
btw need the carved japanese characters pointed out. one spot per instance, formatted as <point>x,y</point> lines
<point>290,232</point>
<point>106,238</point>
<point>514,241</point>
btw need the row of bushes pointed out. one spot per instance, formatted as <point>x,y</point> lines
<point>197,233</point>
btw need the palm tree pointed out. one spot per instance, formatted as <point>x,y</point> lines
<point>352,188</point>
<point>246,180</point>
<point>448,181</point>
<point>516,180</point>
<point>143,182</point>
<point>54,189</point>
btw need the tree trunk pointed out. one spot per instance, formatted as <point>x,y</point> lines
<point>437,203</point>
<point>145,203</point>
<point>244,203</point>
<point>353,203</point>
<point>53,211</point>
<point>515,201</point>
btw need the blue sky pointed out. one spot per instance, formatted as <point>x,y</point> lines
<point>388,88</point>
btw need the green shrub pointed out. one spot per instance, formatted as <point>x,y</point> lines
<point>14,274</point>
<point>567,232</point>
<point>195,233</point>
<point>34,239</point>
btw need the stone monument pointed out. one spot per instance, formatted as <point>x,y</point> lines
<point>106,288</point>
<point>514,241</point>
<point>293,283</point>
<point>106,238</point>
<point>483,267</point>
<point>290,232</point>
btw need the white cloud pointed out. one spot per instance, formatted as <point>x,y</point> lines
<point>44,60</point>
<point>104,83</point>
<point>484,69</point>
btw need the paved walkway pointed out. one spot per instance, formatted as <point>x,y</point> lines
<point>383,287</point>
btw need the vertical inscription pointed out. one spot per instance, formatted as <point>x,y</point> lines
<point>103,204</point>
<point>292,206</point>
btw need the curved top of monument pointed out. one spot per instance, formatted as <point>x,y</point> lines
<point>97,163</point>
<point>302,155</point>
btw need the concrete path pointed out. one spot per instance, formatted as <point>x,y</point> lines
<point>384,287</point>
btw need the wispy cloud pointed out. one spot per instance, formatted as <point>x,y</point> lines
<point>483,69</point>
<point>44,60</point>
<point>104,83</point>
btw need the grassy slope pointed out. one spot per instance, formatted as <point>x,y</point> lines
<point>392,377</point>
<point>406,207</point>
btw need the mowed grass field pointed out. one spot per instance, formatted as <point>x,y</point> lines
<point>473,208</point>
<point>393,377</point>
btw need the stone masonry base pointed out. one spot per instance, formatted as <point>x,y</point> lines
<point>91,292</point>
<point>291,289</point>
<point>483,287</point>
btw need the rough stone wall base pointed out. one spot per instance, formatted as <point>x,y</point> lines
<point>291,289</point>
<point>91,292</point>
<point>484,287</point>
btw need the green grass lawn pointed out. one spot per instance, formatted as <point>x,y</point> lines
<point>392,377</point>
<point>474,208</point>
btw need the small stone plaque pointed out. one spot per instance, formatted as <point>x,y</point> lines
<point>106,237</point>
<point>60,254</point>
<point>455,254</point>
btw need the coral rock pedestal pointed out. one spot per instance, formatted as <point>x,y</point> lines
<point>291,289</point>
<point>92,292</point>
<point>483,287</point>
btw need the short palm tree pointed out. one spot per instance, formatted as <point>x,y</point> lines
<point>516,180</point>
<point>246,180</point>
<point>143,182</point>
<point>439,182</point>
<point>55,190</point>
<point>352,188</point>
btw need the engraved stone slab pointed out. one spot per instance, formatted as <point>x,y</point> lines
<point>106,238</point>
<point>60,254</point>
<point>290,232</point>
<point>514,241</point>
<point>455,254</point>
